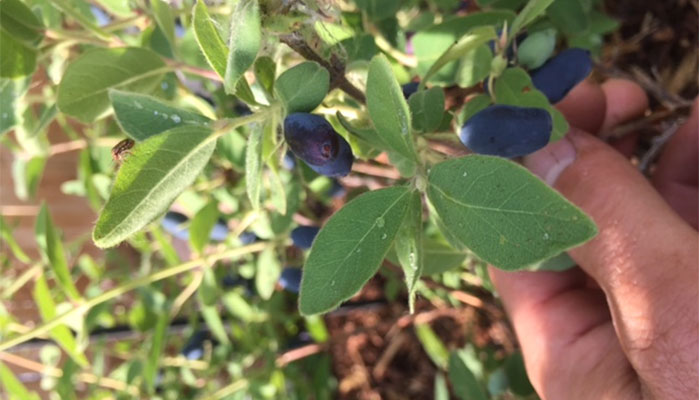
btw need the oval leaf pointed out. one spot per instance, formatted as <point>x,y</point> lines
<point>388,108</point>
<point>244,42</point>
<point>303,87</point>
<point>149,180</point>
<point>20,32</point>
<point>350,248</point>
<point>207,36</point>
<point>427,108</point>
<point>409,246</point>
<point>503,213</point>
<point>142,116</point>
<point>82,92</point>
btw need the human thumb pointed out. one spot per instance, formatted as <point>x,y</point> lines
<point>645,256</point>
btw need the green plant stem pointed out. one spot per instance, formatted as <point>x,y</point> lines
<point>127,287</point>
<point>228,390</point>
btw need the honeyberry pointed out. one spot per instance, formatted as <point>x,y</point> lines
<point>289,161</point>
<point>247,238</point>
<point>173,224</point>
<point>194,348</point>
<point>408,89</point>
<point>507,131</point>
<point>290,279</point>
<point>561,73</point>
<point>303,236</point>
<point>336,190</point>
<point>219,231</point>
<point>313,139</point>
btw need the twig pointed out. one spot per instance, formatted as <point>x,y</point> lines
<point>297,354</point>
<point>636,125</point>
<point>375,170</point>
<point>657,144</point>
<point>334,67</point>
<point>86,377</point>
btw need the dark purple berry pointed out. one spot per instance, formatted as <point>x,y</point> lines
<point>507,131</point>
<point>409,88</point>
<point>290,279</point>
<point>313,139</point>
<point>303,236</point>
<point>561,73</point>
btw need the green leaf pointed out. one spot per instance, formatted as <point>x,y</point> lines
<point>210,42</point>
<point>163,14</point>
<point>441,391</point>
<point>165,247</point>
<point>268,272</point>
<point>517,375</point>
<point>431,43</point>
<point>427,108</point>
<point>409,246</point>
<point>202,224</point>
<point>474,66</point>
<point>52,251</point>
<point>265,69</point>
<point>432,345</point>
<point>157,345</point>
<point>254,165</point>
<point>61,334</point>
<point>503,213</point>
<point>14,386</point>
<point>532,10</point>
<point>11,242</point>
<point>208,291</point>
<point>213,319</point>
<point>20,32</point>
<point>388,108</point>
<point>473,106</point>
<point>10,91</point>
<point>350,248</point>
<point>536,48</point>
<point>515,88</point>
<point>464,383</point>
<point>142,116</point>
<point>560,262</point>
<point>244,42</point>
<point>158,170</point>
<point>379,9</point>
<point>439,257</point>
<point>27,174</point>
<point>71,8</point>
<point>239,307</point>
<point>569,16</point>
<point>303,87</point>
<point>82,93</point>
<point>467,43</point>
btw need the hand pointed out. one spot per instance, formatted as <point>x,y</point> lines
<point>625,324</point>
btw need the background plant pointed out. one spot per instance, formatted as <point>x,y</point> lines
<point>204,89</point>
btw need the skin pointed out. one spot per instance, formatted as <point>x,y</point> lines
<point>624,324</point>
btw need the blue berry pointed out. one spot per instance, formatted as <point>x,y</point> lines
<point>507,131</point>
<point>194,348</point>
<point>220,231</point>
<point>303,236</point>
<point>173,223</point>
<point>561,73</point>
<point>247,238</point>
<point>313,139</point>
<point>409,88</point>
<point>290,279</point>
<point>289,162</point>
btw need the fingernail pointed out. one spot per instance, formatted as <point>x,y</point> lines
<point>552,160</point>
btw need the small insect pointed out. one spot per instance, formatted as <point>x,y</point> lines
<point>121,150</point>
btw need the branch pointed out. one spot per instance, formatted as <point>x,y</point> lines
<point>335,67</point>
